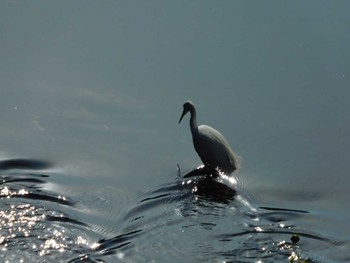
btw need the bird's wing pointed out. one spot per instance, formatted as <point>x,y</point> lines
<point>212,134</point>
<point>217,143</point>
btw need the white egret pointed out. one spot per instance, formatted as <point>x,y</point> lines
<point>211,145</point>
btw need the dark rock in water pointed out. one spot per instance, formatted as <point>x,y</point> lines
<point>295,239</point>
<point>215,190</point>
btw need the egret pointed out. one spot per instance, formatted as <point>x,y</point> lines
<point>210,145</point>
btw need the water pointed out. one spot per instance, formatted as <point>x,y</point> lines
<point>91,94</point>
<point>192,219</point>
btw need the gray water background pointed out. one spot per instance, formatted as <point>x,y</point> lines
<point>97,87</point>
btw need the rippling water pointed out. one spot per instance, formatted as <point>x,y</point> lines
<point>198,218</point>
<point>90,97</point>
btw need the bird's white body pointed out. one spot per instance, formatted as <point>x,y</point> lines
<point>211,145</point>
<point>213,149</point>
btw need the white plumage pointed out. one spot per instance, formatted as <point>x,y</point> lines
<point>211,145</point>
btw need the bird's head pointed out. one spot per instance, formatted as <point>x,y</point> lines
<point>188,106</point>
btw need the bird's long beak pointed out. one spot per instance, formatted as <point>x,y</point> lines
<point>182,115</point>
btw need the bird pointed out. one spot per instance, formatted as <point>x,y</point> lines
<point>211,146</point>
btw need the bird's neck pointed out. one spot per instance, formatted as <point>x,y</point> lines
<point>193,121</point>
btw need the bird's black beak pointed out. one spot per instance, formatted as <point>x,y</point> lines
<point>182,115</point>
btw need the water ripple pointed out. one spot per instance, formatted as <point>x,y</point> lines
<point>34,220</point>
<point>204,219</point>
<point>193,219</point>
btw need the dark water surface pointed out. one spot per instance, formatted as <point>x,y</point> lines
<point>187,220</point>
<point>93,160</point>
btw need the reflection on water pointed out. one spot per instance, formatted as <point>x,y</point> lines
<point>202,218</point>
<point>33,226</point>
